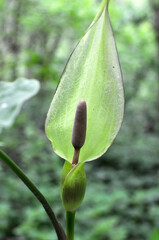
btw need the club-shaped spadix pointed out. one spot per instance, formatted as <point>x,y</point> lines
<point>93,74</point>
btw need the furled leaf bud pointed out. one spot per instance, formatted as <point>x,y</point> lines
<point>67,167</point>
<point>73,186</point>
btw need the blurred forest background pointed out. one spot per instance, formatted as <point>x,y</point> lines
<point>122,197</point>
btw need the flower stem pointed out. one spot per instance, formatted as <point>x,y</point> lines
<point>70,220</point>
<point>58,228</point>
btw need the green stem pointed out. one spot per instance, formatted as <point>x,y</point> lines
<point>70,220</point>
<point>59,230</point>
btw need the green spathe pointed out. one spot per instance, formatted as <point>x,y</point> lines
<point>73,186</point>
<point>93,74</point>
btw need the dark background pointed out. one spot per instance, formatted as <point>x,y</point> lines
<point>122,197</point>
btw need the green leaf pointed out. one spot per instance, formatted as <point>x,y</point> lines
<point>73,186</point>
<point>12,96</point>
<point>155,235</point>
<point>66,169</point>
<point>93,74</point>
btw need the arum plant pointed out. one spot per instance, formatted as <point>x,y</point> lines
<point>84,117</point>
<point>91,85</point>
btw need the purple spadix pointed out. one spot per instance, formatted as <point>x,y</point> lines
<point>79,129</point>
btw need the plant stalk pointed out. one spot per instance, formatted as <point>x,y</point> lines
<point>70,220</point>
<point>58,228</point>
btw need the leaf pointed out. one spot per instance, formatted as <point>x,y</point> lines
<point>12,96</point>
<point>73,186</point>
<point>66,169</point>
<point>93,74</point>
<point>155,235</point>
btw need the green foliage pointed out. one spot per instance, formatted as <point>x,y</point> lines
<point>12,96</point>
<point>155,235</point>
<point>40,36</point>
<point>73,186</point>
<point>122,195</point>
